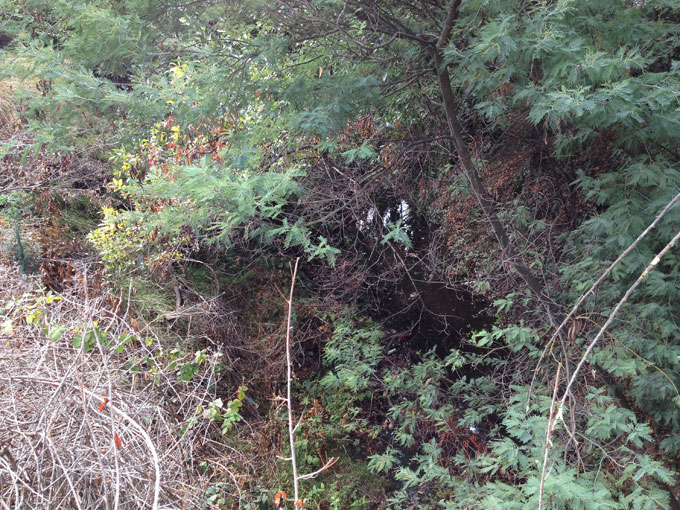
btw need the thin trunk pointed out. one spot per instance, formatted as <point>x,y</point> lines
<point>469,168</point>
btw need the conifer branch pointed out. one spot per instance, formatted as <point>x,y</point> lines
<point>586,354</point>
<point>613,314</point>
<point>594,286</point>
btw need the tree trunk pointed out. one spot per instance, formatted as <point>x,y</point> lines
<point>468,166</point>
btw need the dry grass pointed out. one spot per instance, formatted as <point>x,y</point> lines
<point>9,118</point>
<point>84,430</point>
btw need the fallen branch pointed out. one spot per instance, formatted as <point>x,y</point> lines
<point>552,420</point>
<point>289,379</point>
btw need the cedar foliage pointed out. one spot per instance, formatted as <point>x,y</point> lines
<point>242,135</point>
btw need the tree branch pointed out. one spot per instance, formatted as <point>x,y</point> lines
<point>590,348</point>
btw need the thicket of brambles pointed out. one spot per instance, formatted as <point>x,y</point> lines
<point>480,198</point>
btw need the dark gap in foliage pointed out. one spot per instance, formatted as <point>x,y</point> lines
<point>421,311</point>
<point>4,40</point>
<point>424,315</point>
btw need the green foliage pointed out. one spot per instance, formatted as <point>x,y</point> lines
<point>219,202</point>
<point>14,208</point>
<point>227,415</point>
<point>120,244</point>
<point>80,215</point>
<point>15,205</point>
<point>397,233</point>
<point>592,77</point>
<point>225,120</point>
<point>354,353</point>
<point>363,152</point>
<point>89,338</point>
<point>215,494</point>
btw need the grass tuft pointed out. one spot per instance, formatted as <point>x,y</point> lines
<point>9,118</point>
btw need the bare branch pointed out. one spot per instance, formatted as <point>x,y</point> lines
<point>289,390</point>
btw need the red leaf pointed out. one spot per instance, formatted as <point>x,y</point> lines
<point>103,404</point>
<point>117,441</point>
<point>277,498</point>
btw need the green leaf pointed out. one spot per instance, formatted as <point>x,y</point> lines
<point>56,333</point>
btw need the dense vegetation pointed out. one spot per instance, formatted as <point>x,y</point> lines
<point>453,176</point>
